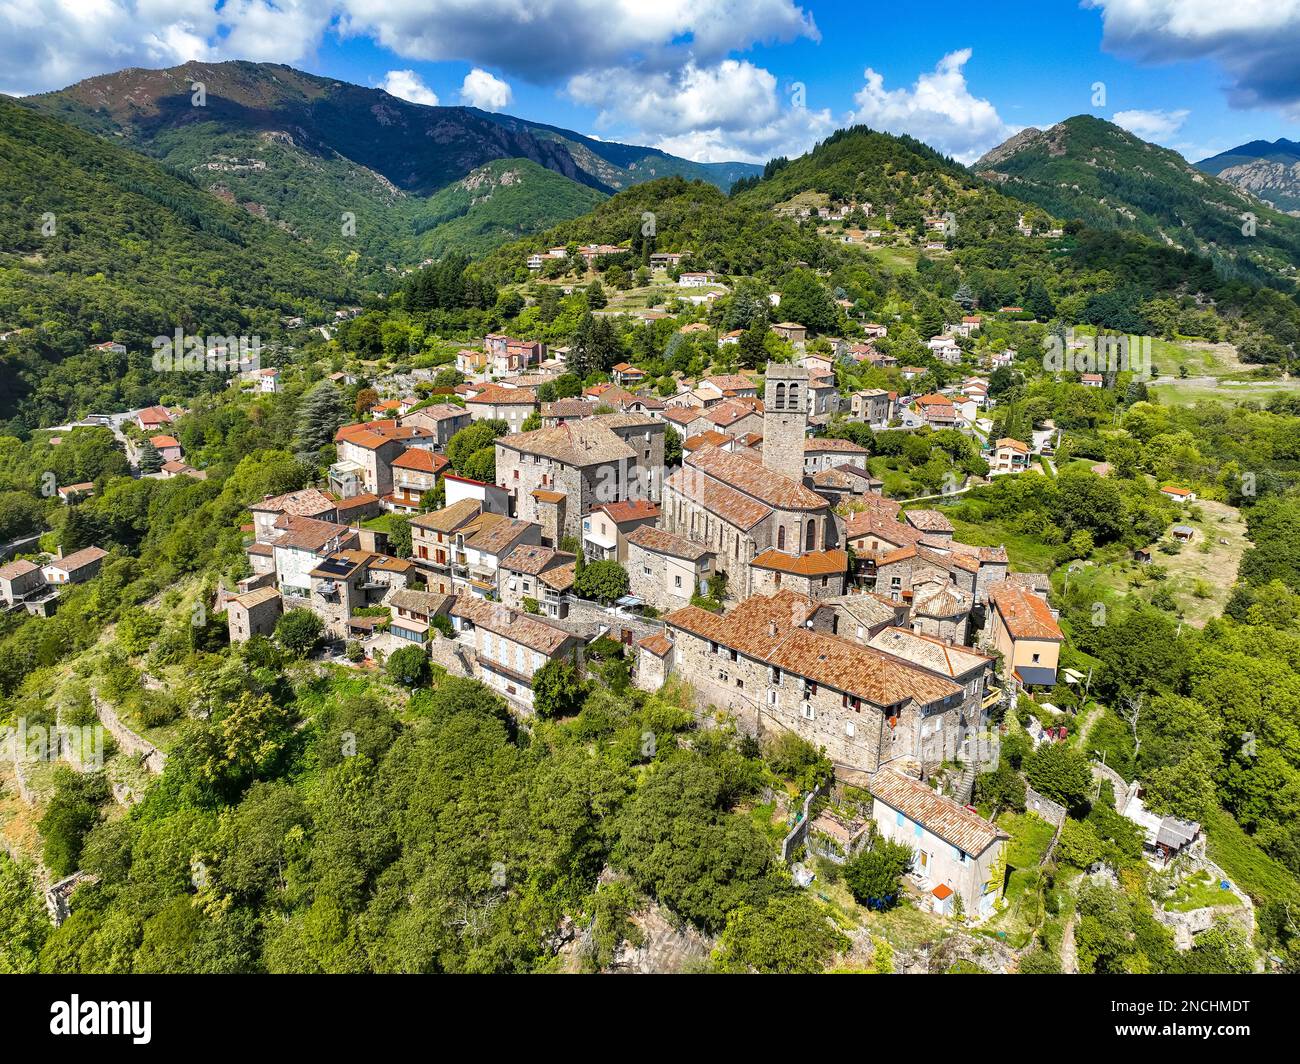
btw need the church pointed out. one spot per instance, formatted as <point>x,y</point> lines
<point>769,530</point>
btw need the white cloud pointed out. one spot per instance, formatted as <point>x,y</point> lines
<point>1255,41</point>
<point>408,85</point>
<point>550,40</point>
<point>661,72</point>
<point>481,89</point>
<point>938,109</point>
<point>727,111</point>
<point>1152,125</point>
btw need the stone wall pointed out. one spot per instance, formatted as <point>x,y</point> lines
<point>1049,810</point>
<point>128,741</point>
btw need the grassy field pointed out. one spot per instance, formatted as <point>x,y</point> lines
<point>1027,554</point>
<point>1022,911</point>
<point>1200,579</point>
<point>1199,891</point>
<point>894,258</point>
<point>1249,867</point>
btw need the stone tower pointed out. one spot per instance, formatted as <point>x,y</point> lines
<point>785,419</point>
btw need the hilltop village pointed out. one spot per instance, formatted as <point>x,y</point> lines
<point>839,574</point>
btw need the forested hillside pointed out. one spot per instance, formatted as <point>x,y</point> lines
<point>133,251</point>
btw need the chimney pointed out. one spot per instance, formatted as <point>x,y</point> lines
<point>771,629</point>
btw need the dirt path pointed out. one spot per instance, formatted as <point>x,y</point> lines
<point>1069,952</point>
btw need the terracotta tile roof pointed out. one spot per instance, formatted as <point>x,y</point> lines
<point>495,533</point>
<point>941,816</point>
<point>16,569</point>
<point>945,602</point>
<point>514,625</point>
<point>560,577</point>
<point>1014,445</point>
<point>683,415</point>
<point>449,518</point>
<point>707,438</point>
<point>755,627</point>
<point>657,541</point>
<point>306,533</point>
<point>629,510</point>
<point>569,408</point>
<point>658,644</point>
<point>532,558</point>
<point>496,395</point>
<point>543,495</point>
<point>773,489</point>
<point>928,520</point>
<point>828,443</point>
<point>305,503</point>
<point>437,412</point>
<point>164,441</point>
<point>874,522</point>
<point>1024,614</point>
<point>70,563</point>
<point>254,598</point>
<point>154,415</point>
<point>420,459</point>
<point>575,443</point>
<point>933,399</point>
<point>719,499</point>
<point>816,563</point>
<point>730,382</point>
<point>425,602</point>
<point>349,507</point>
<point>729,411</point>
<point>858,670</point>
<point>927,652</point>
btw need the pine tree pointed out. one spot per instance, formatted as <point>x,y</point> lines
<point>319,417</point>
<point>150,460</point>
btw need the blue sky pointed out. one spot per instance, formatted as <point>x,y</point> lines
<point>732,79</point>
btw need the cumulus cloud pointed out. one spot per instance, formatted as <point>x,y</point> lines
<point>408,85</point>
<point>1152,125</point>
<point>481,89</point>
<point>547,41</point>
<point>730,110</point>
<point>1255,41</point>
<point>48,44</point>
<point>938,109</point>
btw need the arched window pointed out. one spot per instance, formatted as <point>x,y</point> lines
<point>780,397</point>
<point>780,538</point>
<point>794,396</point>
<point>810,540</point>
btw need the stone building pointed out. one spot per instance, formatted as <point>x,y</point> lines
<point>957,851</point>
<point>443,420</point>
<point>968,668</point>
<point>589,462</point>
<point>510,647</point>
<point>785,419</point>
<point>543,574</point>
<point>772,661</point>
<point>665,569</point>
<point>253,614</point>
<point>497,402</point>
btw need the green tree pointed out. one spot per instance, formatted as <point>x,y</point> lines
<point>557,690</point>
<point>603,581</point>
<point>788,935</point>
<point>1060,773</point>
<point>299,631</point>
<point>875,875</point>
<point>408,666</point>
